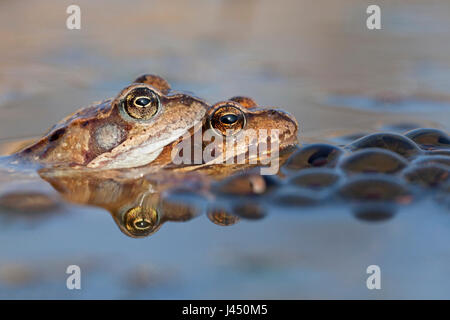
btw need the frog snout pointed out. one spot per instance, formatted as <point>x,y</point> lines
<point>285,122</point>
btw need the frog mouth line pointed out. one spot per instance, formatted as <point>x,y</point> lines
<point>249,147</point>
<point>137,156</point>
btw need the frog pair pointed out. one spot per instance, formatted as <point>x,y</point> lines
<point>144,124</point>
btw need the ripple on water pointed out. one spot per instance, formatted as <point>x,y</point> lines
<point>400,127</point>
<point>394,104</point>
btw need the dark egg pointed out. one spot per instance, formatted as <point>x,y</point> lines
<point>390,141</point>
<point>373,160</point>
<point>374,212</point>
<point>294,197</point>
<point>432,159</point>
<point>316,178</point>
<point>428,175</point>
<point>429,139</point>
<point>375,188</point>
<point>314,155</point>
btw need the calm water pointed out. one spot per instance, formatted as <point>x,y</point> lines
<point>323,66</point>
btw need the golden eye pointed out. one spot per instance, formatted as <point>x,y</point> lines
<point>227,119</point>
<point>140,221</point>
<point>142,103</point>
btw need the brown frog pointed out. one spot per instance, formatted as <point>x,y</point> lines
<point>237,133</point>
<point>144,123</point>
<point>135,197</point>
<point>130,130</point>
<point>142,130</point>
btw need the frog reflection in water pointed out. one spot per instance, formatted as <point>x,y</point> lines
<point>103,155</point>
<point>135,204</point>
<point>139,206</point>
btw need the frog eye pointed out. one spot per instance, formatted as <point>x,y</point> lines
<point>227,119</point>
<point>141,103</point>
<point>140,221</point>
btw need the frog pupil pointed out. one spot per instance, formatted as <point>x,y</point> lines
<point>142,224</point>
<point>142,102</point>
<point>228,119</point>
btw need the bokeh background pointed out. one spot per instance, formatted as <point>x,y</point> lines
<point>315,59</point>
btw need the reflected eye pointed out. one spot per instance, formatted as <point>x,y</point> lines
<point>142,224</point>
<point>142,103</point>
<point>140,221</point>
<point>227,119</point>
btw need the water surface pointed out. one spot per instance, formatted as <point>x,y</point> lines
<point>323,66</point>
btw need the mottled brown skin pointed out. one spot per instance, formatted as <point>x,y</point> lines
<point>103,135</point>
<point>138,205</point>
<point>257,118</point>
<point>116,134</point>
<point>249,117</point>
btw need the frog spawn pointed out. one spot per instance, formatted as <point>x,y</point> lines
<point>374,175</point>
<point>372,181</point>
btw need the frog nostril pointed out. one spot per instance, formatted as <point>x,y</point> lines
<point>57,134</point>
<point>142,102</point>
<point>228,118</point>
